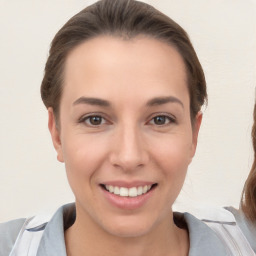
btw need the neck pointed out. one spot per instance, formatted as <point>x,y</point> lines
<point>86,238</point>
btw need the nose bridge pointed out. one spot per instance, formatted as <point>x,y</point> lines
<point>129,149</point>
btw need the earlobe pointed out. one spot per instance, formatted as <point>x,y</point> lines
<point>195,131</point>
<point>55,134</point>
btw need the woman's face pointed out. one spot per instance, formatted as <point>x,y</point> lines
<point>125,132</point>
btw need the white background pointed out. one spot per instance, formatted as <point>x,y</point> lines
<point>224,35</point>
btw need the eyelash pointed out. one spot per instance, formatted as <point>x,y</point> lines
<point>88,118</point>
<point>168,118</point>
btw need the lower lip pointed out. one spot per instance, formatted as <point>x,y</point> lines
<point>128,203</point>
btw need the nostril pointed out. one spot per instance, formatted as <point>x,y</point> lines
<point>129,152</point>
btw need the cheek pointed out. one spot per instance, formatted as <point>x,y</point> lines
<point>173,152</point>
<point>83,157</point>
<point>172,157</point>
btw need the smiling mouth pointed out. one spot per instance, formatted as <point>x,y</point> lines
<point>128,192</point>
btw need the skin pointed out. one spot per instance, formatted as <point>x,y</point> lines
<point>136,81</point>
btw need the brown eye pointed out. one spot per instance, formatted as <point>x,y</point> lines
<point>95,120</point>
<point>160,120</point>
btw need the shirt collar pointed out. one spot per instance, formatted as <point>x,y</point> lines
<point>203,240</point>
<point>53,240</point>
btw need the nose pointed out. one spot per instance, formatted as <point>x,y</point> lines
<point>129,150</point>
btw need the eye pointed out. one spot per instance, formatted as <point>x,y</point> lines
<point>93,120</point>
<point>162,120</point>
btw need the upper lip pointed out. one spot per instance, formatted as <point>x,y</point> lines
<point>128,184</point>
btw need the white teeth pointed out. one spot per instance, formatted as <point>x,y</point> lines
<point>116,191</point>
<point>111,189</point>
<point>124,191</point>
<point>140,191</point>
<point>131,192</point>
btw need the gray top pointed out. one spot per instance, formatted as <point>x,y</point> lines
<point>203,240</point>
<point>248,228</point>
<point>8,234</point>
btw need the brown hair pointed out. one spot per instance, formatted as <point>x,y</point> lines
<point>248,201</point>
<point>125,19</point>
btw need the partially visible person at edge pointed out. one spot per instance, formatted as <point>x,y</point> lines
<point>246,216</point>
<point>124,89</point>
<point>248,202</point>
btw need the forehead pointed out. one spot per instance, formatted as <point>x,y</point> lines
<point>112,62</point>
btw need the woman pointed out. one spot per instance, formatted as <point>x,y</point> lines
<point>246,217</point>
<point>123,88</point>
<point>248,201</point>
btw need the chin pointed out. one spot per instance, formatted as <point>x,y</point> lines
<point>129,227</point>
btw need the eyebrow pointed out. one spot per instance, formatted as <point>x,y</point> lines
<point>92,101</point>
<point>164,100</point>
<point>105,103</point>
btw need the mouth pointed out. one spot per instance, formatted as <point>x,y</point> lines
<point>128,192</point>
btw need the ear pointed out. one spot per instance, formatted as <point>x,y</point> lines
<point>55,133</point>
<point>195,131</point>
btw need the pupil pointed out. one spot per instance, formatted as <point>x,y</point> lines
<point>95,120</point>
<point>160,120</point>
